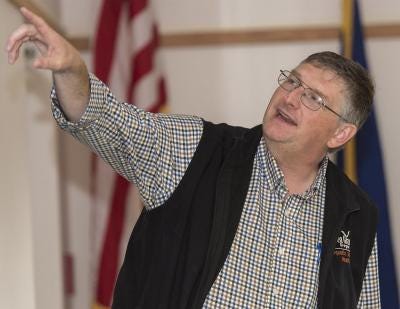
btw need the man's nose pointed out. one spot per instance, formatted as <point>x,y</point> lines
<point>293,97</point>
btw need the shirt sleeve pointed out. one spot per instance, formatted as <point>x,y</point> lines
<point>370,296</point>
<point>151,150</point>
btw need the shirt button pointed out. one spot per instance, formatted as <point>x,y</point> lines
<point>275,291</point>
<point>281,251</point>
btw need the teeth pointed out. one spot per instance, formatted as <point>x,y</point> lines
<point>286,118</point>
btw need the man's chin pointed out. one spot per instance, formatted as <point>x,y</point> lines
<point>278,131</point>
<point>276,137</point>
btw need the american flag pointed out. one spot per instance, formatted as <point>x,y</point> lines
<point>125,58</point>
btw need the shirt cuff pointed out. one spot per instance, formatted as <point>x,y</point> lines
<point>94,110</point>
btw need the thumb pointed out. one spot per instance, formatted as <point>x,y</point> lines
<point>41,63</point>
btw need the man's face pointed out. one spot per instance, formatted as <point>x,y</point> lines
<point>288,121</point>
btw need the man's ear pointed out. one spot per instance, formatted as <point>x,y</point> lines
<point>342,135</point>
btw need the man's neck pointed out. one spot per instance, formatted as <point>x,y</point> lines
<point>299,169</point>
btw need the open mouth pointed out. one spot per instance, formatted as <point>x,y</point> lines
<point>286,118</point>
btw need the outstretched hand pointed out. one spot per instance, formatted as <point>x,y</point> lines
<point>55,53</point>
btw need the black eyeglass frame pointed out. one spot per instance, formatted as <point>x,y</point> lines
<point>321,104</point>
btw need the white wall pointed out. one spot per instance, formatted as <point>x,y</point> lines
<point>30,225</point>
<point>16,265</point>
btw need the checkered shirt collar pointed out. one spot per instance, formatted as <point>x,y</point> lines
<point>274,175</point>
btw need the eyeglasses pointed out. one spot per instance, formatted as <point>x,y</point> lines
<point>310,98</point>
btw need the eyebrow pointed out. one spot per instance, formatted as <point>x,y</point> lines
<point>298,75</point>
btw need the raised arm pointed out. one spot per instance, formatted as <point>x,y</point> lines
<point>70,75</point>
<point>151,150</point>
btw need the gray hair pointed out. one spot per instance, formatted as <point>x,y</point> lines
<point>358,84</point>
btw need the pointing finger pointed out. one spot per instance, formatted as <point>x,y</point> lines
<point>35,20</point>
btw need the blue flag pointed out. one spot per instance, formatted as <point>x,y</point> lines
<point>371,178</point>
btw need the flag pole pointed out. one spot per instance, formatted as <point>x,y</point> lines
<point>349,153</point>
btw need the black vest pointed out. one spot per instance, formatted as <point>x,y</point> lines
<point>176,250</point>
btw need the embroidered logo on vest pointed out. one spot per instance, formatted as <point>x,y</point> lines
<point>342,250</point>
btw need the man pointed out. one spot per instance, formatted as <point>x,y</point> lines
<point>234,218</point>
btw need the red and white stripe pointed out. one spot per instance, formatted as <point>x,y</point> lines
<point>125,59</point>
